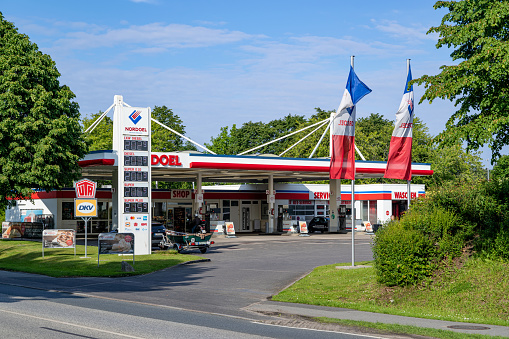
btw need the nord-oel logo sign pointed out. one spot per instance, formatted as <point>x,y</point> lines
<point>135,116</point>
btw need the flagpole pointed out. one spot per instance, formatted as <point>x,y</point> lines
<point>409,190</point>
<point>353,199</point>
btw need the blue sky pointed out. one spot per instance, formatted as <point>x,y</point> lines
<point>223,62</point>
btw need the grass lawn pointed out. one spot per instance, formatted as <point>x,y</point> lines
<point>26,256</point>
<point>477,293</point>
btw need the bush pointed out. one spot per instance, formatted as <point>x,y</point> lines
<point>440,226</point>
<point>403,256</point>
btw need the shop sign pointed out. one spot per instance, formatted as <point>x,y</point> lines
<point>181,194</point>
<point>303,227</point>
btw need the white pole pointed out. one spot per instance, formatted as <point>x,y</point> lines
<point>353,201</point>
<point>409,191</point>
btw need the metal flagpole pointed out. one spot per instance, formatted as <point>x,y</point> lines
<point>353,199</point>
<point>408,181</point>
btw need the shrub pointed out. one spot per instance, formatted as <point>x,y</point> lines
<point>403,256</point>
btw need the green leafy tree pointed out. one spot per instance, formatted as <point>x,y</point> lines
<point>501,168</point>
<point>479,84</point>
<point>101,138</point>
<point>163,140</point>
<point>253,134</point>
<point>40,136</point>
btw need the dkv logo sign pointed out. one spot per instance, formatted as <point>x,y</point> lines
<point>86,207</point>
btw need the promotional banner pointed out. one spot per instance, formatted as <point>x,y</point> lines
<point>230,229</point>
<point>11,230</point>
<point>116,243</point>
<point>303,227</point>
<point>59,238</point>
<point>399,163</point>
<point>342,165</point>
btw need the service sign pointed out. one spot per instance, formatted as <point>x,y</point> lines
<point>59,238</point>
<point>85,207</point>
<point>116,243</point>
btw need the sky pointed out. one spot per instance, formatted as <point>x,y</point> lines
<point>216,63</point>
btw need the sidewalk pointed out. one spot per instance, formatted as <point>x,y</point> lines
<point>343,313</point>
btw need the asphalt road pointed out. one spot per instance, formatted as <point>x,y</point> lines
<point>29,313</point>
<point>242,271</point>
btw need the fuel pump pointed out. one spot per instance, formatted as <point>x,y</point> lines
<point>342,218</point>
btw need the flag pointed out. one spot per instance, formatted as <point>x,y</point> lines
<point>342,162</point>
<point>399,163</point>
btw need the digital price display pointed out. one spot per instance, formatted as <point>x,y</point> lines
<point>136,176</point>
<point>136,192</point>
<point>130,160</point>
<point>136,207</point>
<point>135,145</point>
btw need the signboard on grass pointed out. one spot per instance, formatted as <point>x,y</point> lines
<point>59,238</point>
<point>116,243</point>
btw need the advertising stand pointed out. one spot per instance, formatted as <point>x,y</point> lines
<point>303,229</point>
<point>58,239</point>
<point>115,243</point>
<point>230,230</point>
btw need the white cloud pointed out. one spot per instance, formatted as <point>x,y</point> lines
<point>413,33</point>
<point>154,35</point>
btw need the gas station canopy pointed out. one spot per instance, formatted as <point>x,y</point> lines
<point>185,166</point>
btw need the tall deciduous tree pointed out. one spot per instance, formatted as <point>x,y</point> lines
<point>40,136</point>
<point>101,138</point>
<point>479,85</point>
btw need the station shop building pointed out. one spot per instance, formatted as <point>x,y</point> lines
<point>259,194</point>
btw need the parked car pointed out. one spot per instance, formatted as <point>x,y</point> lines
<point>318,224</point>
<point>157,231</point>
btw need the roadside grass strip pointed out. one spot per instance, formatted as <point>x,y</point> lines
<point>26,256</point>
<point>476,293</point>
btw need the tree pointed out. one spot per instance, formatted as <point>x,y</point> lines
<point>253,134</point>
<point>479,84</point>
<point>101,137</point>
<point>40,136</point>
<point>163,140</point>
<point>501,168</point>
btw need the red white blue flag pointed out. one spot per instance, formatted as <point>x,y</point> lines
<point>399,164</point>
<point>342,162</point>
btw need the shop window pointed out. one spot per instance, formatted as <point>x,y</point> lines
<point>234,203</point>
<point>226,203</point>
<point>246,202</point>
<point>159,211</point>
<point>226,214</point>
<point>67,210</point>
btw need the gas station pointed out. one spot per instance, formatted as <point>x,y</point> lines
<point>259,193</point>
